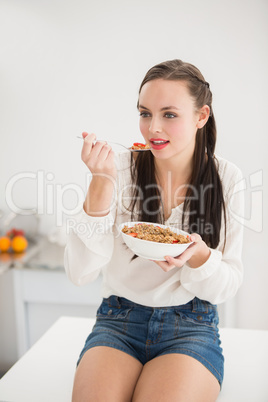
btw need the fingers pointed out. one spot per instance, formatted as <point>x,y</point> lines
<point>84,134</point>
<point>182,258</point>
<point>87,146</point>
<point>195,237</point>
<point>99,150</point>
<point>165,265</point>
<point>98,156</point>
<point>172,262</point>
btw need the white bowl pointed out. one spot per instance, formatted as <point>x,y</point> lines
<point>152,250</point>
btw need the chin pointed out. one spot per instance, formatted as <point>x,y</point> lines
<point>161,154</point>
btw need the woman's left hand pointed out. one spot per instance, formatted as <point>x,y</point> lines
<point>196,255</point>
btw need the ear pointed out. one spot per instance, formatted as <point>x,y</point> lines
<point>203,116</point>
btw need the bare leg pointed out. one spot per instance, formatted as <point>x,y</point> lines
<point>176,378</point>
<point>106,374</point>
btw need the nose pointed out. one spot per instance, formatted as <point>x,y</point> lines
<point>155,125</point>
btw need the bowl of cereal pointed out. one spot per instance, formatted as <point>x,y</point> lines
<point>154,241</point>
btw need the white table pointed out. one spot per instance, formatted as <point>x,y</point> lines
<point>45,373</point>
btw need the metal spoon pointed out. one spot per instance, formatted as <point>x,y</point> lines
<point>121,145</point>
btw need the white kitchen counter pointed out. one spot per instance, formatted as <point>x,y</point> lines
<point>45,373</point>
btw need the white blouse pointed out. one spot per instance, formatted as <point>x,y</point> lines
<point>94,246</point>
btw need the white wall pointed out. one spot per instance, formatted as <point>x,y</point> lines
<point>69,66</point>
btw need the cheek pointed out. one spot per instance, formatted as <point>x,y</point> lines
<point>143,126</point>
<point>181,131</point>
<point>176,130</point>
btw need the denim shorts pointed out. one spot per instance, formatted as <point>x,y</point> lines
<point>148,332</point>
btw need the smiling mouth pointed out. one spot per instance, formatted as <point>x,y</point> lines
<point>159,142</point>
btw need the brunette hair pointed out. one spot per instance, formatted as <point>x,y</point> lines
<point>204,203</point>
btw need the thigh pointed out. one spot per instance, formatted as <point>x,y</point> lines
<point>176,378</point>
<point>105,374</point>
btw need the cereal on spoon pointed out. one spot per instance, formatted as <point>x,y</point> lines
<point>138,145</point>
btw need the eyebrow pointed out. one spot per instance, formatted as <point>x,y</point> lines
<point>162,109</point>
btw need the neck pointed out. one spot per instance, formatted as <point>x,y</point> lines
<point>178,170</point>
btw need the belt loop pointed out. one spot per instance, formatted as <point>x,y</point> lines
<point>200,306</point>
<point>194,305</point>
<point>118,302</point>
<point>114,301</point>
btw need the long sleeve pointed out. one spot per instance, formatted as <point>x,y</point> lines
<point>89,247</point>
<point>219,278</point>
<point>91,240</point>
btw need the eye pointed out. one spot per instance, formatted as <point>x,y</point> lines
<point>144,114</point>
<point>170,115</point>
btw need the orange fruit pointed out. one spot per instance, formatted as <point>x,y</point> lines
<point>19,244</point>
<point>5,243</point>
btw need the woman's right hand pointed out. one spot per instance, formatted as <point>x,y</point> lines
<point>98,157</point>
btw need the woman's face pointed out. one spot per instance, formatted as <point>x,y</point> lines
<point>168,118</point>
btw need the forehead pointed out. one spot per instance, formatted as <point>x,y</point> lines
<point>161,93</point>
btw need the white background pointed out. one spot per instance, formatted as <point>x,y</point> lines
<point>72,66</point>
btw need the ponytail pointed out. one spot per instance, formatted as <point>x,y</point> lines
<point>205,211</point>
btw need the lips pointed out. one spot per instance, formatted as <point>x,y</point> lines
<point>158,143</point>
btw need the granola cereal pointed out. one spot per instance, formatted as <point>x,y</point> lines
<point>154,233</point>
<point>138,145</point>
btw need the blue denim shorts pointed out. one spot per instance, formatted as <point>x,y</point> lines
<point>148,332</point>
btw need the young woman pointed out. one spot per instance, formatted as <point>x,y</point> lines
<point>156,334</point>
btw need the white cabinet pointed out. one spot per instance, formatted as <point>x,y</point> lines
<point>31,300</point>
